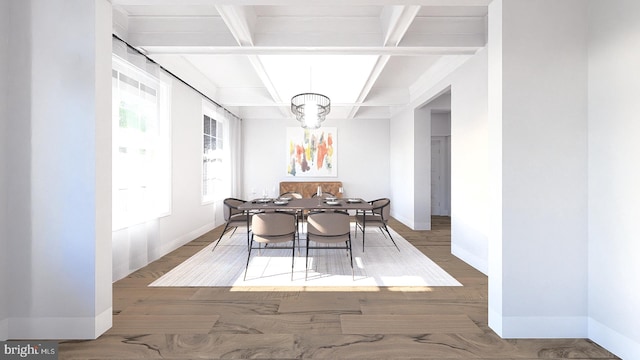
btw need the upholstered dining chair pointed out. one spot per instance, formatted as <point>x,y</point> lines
<point>272,228</point>
<point>298,214</point>
<point>324,195</point>
<point>378,216</point>
<point>328,228</point>
<point>233,217</point>
<point>292,194</point>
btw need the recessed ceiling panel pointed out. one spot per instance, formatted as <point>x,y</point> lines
<point>227,70</point>
<point>318,11</point>
<point>170,10</point>
<point>453,11</point>
<point>341,78</point>
<point>403,71</point>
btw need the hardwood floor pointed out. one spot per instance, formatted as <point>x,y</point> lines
<point>280,323</point>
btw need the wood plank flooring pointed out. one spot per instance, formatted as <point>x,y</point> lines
<point>326,323</point>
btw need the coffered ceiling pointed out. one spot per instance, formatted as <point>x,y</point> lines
<point>369,56</point>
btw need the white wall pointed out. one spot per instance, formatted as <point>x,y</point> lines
<point>4,150</point>
<point>141,244</point>
<point>614,175</point>
<point>59,189</point>
<point>402,165</point>
<point>470,162</point>
<point>441,123</point>
<point>363,156</point>
<point>18,223</point>
<point>543,133</point>
<point>469,159</point>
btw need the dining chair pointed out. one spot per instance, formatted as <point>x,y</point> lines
<point>377,216</point>
<point>272,228</point>
<point>292,194</point>
<point>328,228</point>
<point>324,195</point>
<point>233,217</point>
<point>298,214</point>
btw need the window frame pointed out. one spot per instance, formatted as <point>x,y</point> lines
<point>221,131</point>
<point>161,145</point>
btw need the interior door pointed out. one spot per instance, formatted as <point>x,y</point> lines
<point>439,177</point>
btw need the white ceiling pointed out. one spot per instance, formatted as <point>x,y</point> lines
<point>368,56</point>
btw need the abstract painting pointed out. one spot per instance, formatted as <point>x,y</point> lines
<point>312,153</point>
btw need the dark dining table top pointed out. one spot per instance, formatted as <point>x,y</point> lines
<point>307,204</point>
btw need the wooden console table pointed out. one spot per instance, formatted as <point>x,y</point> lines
<point>308,188</point>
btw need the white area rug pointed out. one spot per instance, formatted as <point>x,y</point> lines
<point>381,265</point>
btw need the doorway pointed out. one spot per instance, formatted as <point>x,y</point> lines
<point>432,121</point>
<point>440,175</point>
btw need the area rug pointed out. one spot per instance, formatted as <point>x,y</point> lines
<point>379,265</point>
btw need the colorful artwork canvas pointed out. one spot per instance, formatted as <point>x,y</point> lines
<point>312,153</point>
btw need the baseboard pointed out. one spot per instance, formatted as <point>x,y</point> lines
<point>476,262</point>
<point>613,341</point>
<point>422,226</point>
<point>190,236</point>
<point>62,328</point>
<point>4,329</point>
<point>543,327</point>
<point>104,322</point>
<point>402,219</point>
<point>495,321</point>
<point>122,270</point>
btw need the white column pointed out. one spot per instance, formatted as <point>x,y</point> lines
<point>614,175</point>
<point>60,228</point>
<point>538,116</point>
<point>4,116</point>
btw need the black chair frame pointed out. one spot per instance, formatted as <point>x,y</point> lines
<point>260,248</point>
<point>347,245</point>
<point>233,212</point>
<point>377,211</point>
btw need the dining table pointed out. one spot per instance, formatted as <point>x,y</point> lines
<point>305,204</point>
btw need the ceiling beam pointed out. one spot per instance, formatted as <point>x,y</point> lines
<point>328,50</point>
<point>305,3</point>
<point>240,20</point>
<point>266,80</point>
<point>245,96</point>
<point>238,25</point>
<point>398,20</point>
<point>371,80</point>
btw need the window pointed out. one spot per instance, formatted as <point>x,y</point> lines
<point>214,173</point>
<point>141,156</point>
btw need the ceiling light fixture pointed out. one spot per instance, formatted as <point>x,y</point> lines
<point>310,109</point>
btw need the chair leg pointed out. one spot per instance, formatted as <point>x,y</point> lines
<point>221,235</point>
<point>353,277</point>
<point>293,255</point>
<point>306,260</point>
<point>356,234</point>
<point>394,242</point>
<point>246,268</point>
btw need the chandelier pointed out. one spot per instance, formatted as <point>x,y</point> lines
<point>310,109</point>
